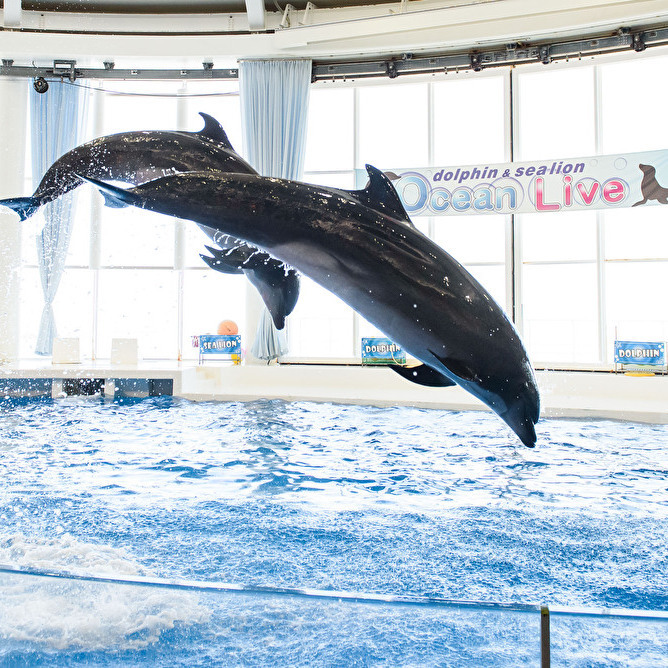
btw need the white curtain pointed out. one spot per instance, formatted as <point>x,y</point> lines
<point>57,121</point>
<point>274,111</point>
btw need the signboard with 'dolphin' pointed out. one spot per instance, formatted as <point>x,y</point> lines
<point>641,354</point>
<point>378,350</point>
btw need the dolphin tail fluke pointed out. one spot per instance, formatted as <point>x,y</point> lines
<point>113,195</point>
<point>113,202</point>
<point>24,206</point>
<point>423,375</point>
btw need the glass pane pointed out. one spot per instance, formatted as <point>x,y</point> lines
<point>393,125</point>
<point>195,241</point>
<point>493,279</point>
<point>346,181</point>
<point>225,108</point>
<point>170,626</point>
<point>321,324</point>
<point>208,298</point>
<point>422,224</point>
<point>472,238</point>
<point>561,236</point>
<point>132,237</point>
<point>73,307</point>
<point>133,109</point>
<point>636,233</point>
<point>560,312</point>
<point>330,138</point>
<point>366,329</point>
<point>633,310</point>
<point>30,311</point>
<point>30,228</point>
<point>556,113</point>
<point>79,249</point>
<point>469,121</point>
<point>140,304</point>
<point>637,121</point>
<point>614,642</point>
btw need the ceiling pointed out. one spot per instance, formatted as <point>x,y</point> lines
<point>188,32</point>
<point>178,6</point>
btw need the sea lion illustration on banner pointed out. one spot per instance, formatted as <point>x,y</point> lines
<point>650,187</point>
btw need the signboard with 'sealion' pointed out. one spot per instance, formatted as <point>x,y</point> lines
<point>378,350</point>
<point>220,345</point>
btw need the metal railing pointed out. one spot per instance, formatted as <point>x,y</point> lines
<point>545,611</point>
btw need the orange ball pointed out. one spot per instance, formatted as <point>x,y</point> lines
<point>228,327</point>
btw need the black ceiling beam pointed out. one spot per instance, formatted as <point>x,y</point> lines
<point>476,60</point>
<point>72,72</point>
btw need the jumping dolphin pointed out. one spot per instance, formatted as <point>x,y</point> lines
<point>137,157</point>
<point>365,250</point>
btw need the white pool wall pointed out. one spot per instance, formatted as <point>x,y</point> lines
<point>563,393</point>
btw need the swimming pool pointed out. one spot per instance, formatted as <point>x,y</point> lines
<point>401,501</point>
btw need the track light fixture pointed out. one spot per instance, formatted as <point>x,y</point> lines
<point>40,84</point>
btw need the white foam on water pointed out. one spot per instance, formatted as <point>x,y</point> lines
<point>60,614</point>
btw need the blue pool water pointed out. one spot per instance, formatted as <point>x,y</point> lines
<point>398,501</point>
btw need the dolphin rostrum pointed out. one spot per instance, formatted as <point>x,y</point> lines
<point>363,248</point>
<point>137,157</point>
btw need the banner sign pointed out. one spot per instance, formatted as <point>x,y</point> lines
<point>573,184</point>
<point>378,350</point>
<point>217,344</point>
<point>640,353</point>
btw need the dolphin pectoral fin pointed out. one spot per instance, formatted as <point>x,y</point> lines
<point>277,284</point>
<point>24,206</point>
<point>423,375</point>
<point>458,368</point>
<point>214,130</point>
<point>218,264</point>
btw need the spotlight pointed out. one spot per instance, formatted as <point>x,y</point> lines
<point>40,85</point>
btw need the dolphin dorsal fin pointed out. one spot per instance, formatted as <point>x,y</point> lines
<point>214,130</point>
<point>381,195</point>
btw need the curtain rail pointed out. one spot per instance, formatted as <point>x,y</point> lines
<point>624,39</point>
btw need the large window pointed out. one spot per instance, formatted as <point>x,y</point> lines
<point>131,273</point>
<point>393,126</point>
<point>572,281</point>
<point>587,278</point>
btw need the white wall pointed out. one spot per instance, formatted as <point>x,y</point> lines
<point>13,113</point>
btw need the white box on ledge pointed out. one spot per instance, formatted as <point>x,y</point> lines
<point>66,351</point>
<point>124,352</point>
